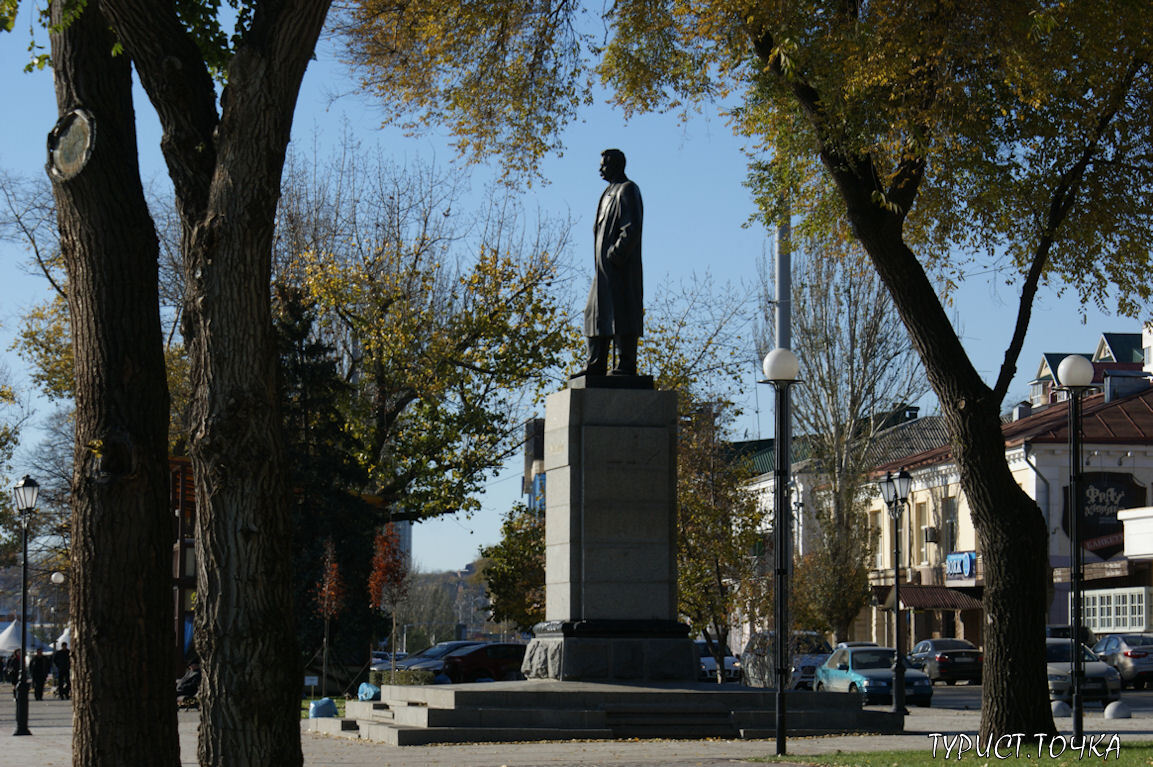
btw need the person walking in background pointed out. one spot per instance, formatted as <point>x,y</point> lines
<point>38,667</point>
<point>62,660</point>
<point>12,667</point>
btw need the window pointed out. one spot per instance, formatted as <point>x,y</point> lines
<point>1105,611</point>
<point>949,524</point>
<point>1111,610</point>
<point>919,539</point>
<point>879,541</point>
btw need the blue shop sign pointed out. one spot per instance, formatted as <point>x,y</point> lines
<point>961,566</point>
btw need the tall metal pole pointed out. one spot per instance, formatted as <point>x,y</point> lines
<point>784,282</point>
<point>1077,574</point>
<point>895,509</point>
<point>22,684</point>
<point>781,556</point>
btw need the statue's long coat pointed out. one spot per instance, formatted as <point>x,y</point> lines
<point>616,301</point>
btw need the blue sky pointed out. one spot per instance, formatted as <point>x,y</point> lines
<point>696,207</point>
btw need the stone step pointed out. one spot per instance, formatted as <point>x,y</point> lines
<point>419,716</point>
<point>330,725</point>
<point>367,709</point>
<point>401,735</point>
<point>673,730</point>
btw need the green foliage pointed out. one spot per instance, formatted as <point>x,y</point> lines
<point>326,479</point>
<point>176,367</point>
<point>506,77</point>
<point>8,9</point>
<point>513,569</point>
<point>718,522</point>
<point>403,676</point>
<point>989,132</point>
<point>44,341</point>
<point>443,328</point>
<point>202,19</point>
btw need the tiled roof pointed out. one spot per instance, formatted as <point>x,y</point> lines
<point>764,455</point>
<point>1124,421</point>
<point>1125,347</point>
<point>759,450</point>
<point>909,438</point>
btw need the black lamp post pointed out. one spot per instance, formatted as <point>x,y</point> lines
<point>1075,374</point>
<point>25,497</point>
<point>781,367</point>
<point>895,491</point>
<point>57,579</point>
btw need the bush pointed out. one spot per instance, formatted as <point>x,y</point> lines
<point>403,676</point>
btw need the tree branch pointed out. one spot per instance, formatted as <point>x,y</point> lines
<point>1063,199</point>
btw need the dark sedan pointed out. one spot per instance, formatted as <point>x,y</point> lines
<point>494,661</point>
<point>432,658</point>
<point>948,660</point>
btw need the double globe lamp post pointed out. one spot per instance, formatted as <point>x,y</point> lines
<point>1075,375</point>
<point>895,492</point>
<point>25,496</point>
<point>781,368</point>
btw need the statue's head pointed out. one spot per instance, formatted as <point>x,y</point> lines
<point>612,165</point>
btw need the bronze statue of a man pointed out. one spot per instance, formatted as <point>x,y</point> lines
<point>615,308</point>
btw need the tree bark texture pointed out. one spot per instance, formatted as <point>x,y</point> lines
<point>121,573</point>
<point>1010,526</point>
<point>227,173</point>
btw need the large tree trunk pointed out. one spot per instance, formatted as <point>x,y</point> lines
<point>1010,526</point>
<point>122,530</point>
<point>227,173</point>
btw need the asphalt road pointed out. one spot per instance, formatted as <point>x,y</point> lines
<point>967,697</point>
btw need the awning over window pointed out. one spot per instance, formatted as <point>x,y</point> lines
<point>932,598</point>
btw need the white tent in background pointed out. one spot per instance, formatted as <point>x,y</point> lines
<point>10,639</point>
<point>65,637</point>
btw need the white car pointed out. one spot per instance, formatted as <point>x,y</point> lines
<point>708,664</point>
<point>1101,681</point>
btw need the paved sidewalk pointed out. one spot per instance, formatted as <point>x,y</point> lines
<point>51,724</point>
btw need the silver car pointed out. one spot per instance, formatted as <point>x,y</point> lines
<point>1131,655</point>
<point>1101,682</point>
<point>808,650</point>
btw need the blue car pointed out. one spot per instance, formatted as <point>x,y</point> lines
<point>868,671</point>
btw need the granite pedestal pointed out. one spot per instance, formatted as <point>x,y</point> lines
<point>610,540</point>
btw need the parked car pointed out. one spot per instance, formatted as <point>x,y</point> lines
<point>856,643</point>
<point>381,660</point>
<point>868,671</point>
<point>1101,682</point>
<point>496,661</point>
<point>808,650</point>
<point>708,664</point>
<point>948,660</point>
<point>432,658</point>
<point>1064,631</point>
<point>1131,655</point>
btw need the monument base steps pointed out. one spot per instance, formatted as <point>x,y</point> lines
<point>554,710</point>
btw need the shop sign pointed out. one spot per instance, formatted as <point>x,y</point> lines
<point>1102,495</point>
<point>961,566</point>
